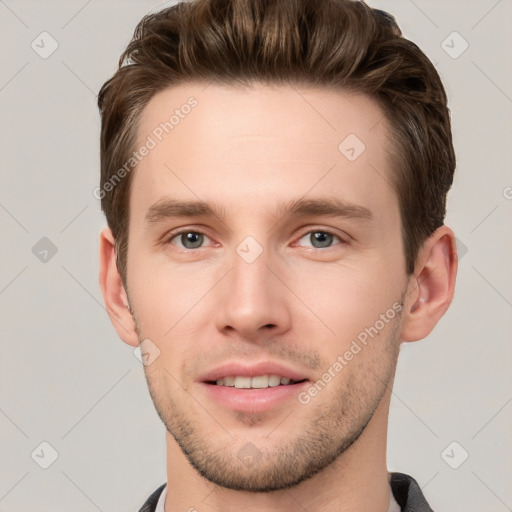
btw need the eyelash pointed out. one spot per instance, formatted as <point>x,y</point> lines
<point>173,235</point>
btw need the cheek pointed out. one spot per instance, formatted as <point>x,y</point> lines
<point>345,297</point>
<point>169,300</point>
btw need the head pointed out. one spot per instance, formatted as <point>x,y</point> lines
<point>309,162</point>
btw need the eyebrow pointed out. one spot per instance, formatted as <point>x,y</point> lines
<point>167,207</point>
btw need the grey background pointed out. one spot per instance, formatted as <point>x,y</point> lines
<point>66,378</point>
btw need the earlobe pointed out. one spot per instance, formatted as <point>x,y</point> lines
<point>114,294</point>
<point>432,286</point>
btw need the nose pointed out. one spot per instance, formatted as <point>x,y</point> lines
<point>253,300</point>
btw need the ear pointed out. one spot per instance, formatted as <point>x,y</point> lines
<point>432,285</point>
<point>114,294</point>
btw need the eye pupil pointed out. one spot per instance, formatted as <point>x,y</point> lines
<point>191,240</point>
<point>321,239</point>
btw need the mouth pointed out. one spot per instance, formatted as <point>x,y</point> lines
<point>257,382</point>
<point>253,389</point>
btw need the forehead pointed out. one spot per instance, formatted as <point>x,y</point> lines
<point>213,111</point>
<point>231,144</point>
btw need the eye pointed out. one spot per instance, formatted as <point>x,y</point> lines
<point>319,239</point>
<point>188,239</point>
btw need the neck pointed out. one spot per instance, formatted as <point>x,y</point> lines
<point>357,481</point>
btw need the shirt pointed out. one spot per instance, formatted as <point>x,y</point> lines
<point>406,496</point>
<point>393,505</point>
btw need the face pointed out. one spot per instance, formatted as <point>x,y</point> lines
<point>266,275</point>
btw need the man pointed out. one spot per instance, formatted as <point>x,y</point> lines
<point>274,177</point>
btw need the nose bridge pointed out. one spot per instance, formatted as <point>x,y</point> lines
<point>251,286</point>
<point>253,297</point>
<point>250,274</point>
<point>251,260</point>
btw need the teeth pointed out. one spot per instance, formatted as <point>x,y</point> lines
<point>242,382</point>
<point>258,382</point>
<point>274,380</point>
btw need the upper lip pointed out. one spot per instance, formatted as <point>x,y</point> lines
<point>235,369</point>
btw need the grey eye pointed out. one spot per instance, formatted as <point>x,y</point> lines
<point>190,239</point>
<point>318,239</point>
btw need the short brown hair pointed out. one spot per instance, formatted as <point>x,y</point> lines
<point>321,43</point>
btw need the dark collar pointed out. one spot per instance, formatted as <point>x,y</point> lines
<point>405,489</point>
<point>150,505</point>
<point>408,494</point>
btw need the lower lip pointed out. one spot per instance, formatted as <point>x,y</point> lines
<point>253,400</point>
